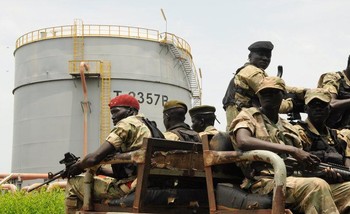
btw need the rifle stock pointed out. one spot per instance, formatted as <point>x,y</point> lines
<point>293,165</point>
<point>68,160</point>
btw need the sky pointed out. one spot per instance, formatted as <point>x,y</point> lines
<point>311,37</point>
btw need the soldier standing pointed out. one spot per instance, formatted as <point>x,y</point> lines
<point>241,91</point>
<point>338,84</point>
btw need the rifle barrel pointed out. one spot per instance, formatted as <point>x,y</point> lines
<point>280,71</point>
<point>337,168</point>
<point>46,182</point>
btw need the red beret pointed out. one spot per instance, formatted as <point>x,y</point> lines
<point>124,100</point>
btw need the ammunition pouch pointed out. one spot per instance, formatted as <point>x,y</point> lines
<point>320,147</point>
<point>329,157</point>
<point>333,157</point>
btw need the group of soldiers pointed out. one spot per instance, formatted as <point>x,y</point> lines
<point>253,103</point>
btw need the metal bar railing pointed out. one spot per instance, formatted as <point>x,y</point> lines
<point>103,31</point>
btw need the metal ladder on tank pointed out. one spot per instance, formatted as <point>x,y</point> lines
<point>105,95</point>
<point>78,40</point>
<point>190,71</point>
<point>105,76</point>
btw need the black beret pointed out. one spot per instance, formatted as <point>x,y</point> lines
<point>204,109</point>
<point>267,45</point>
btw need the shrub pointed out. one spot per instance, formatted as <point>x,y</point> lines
<point>34,202</point>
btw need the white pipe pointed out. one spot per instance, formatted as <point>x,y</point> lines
<point>54,185</point>
<point>6,179</point>
<point>25,176</point>
<point>10,187</point>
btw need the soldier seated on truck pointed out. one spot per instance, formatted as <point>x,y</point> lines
<point>330,145</point>
<point>203,119</point>
<point>262,128</point>
<point>127,135</point>
<point>174,121</point>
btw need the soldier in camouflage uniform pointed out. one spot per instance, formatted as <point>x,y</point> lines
<point>127,135</point>
<point>338,83</point>
<point>241,90</point>
<point>262,128</point>
<point>203,119</point>
<point>330,145</point>
<point>174,121</point>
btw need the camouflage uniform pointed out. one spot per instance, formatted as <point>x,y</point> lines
<point>171,136</point>
<point>324,95</point>
<point>309,195</point>
<point>186,133</point>
<point>205,116</point>
<point>127,135</point>
<point>338,84</point>
<point>180,131</point>
<point>209,130</point>
<point>342,134</point>
<point>338,190</point>
<point>313,141</point>
<point>331,81</point>
<point>248,80</point>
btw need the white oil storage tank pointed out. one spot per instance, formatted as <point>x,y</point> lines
<point>52,113</point>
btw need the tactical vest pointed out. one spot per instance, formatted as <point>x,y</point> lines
<point>185,133</point>
<point>322,149</point>
<point>232,89</point>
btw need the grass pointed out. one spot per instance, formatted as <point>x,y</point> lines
<point>34,202</point>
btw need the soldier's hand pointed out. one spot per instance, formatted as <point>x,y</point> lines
<point>306,158</point>
<point>74,170</point>
<point>331,176</point>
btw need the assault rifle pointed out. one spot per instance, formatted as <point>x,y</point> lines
<point>298,102</point>
<point>68,160</point>
<point>293,165</point>
<point>298,106</point>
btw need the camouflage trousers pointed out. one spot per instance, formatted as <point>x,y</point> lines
<point>103,188</point>
<point>312,195</point>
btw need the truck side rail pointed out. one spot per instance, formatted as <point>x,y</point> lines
<point>142,157</point>
<point>212,158</point>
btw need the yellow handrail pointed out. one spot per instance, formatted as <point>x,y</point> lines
<point>90,30</point>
